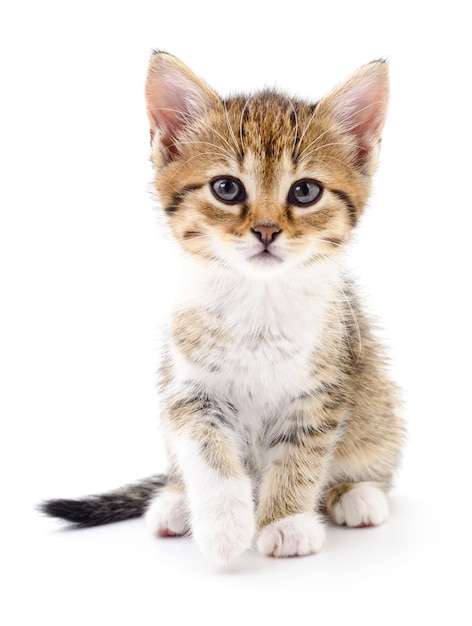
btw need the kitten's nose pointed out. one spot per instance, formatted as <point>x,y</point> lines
<point>266,232</point>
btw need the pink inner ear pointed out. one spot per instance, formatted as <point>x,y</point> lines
<point>175,97</point>
<point>361,107</point>
<point>169,108</point>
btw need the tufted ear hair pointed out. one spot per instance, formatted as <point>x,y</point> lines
<point>359,106</point>
<point>175,97</point>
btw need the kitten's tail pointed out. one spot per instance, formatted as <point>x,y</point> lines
<point>115,506</point>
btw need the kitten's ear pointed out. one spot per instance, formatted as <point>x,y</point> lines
<point>175,96</point>
<point>359,105</point>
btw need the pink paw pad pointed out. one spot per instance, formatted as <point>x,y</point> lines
<point>165,532</point>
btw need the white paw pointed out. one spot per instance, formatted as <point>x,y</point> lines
<point>296,535</point>
<point>364,505</point>
<point>223,526</point>
<point>167,515</point>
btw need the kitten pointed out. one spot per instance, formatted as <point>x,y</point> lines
<point>276,408</point>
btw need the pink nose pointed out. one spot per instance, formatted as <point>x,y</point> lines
<point>266,233</point>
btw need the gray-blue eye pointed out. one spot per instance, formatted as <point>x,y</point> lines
<point>228,189</point>
<point>305,192</point>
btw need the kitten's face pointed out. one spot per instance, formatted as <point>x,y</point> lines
<point>262,184</point>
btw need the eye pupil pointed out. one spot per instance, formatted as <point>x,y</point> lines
<point>305,192</point>
<point>302,190</point>
<point>229,190</point>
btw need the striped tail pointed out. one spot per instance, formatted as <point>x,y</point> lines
<point>115,506</point>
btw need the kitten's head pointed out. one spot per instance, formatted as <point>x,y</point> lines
<point>263,183</point>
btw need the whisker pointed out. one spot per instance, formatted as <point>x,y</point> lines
<point>325,156</point>
<point>295,148</point>
<point>208,143</point>
<point>187,118</point>
<point>302,136</point>
<point>195,156</point>
<point>231,131</point>
<point>320,239</point>
<point>325,145</point>
<point>241,119</point>
<point>217,133</point>
<point>317,138</point>
<point>347,120</point>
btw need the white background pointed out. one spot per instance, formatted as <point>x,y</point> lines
<point>87,279</point>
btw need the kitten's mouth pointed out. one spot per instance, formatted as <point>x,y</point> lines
<point>266,257</point>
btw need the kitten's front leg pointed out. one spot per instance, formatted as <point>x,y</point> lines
<point>286,519</point>
<point>219,491</point>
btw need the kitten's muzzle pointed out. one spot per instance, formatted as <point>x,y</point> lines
<point>266,233</point>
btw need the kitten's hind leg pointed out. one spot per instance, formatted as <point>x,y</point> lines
<point>167,514</point>
<point>357,505</point>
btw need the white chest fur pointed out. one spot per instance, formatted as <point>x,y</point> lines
<point>268,331</point>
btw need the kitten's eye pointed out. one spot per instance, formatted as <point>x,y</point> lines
<point>228,189</point>
<point>305,192</point>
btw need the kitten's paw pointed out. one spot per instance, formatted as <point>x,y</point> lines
<point>224,525</point>
<point>364,504</point>
<point>296,535</point>
<point>167,515</point>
